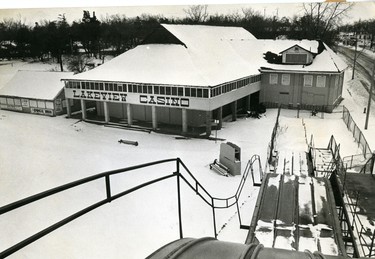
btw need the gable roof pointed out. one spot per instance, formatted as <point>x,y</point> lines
<point>205,58</point>
<point>201,55</point>
<point>315,48</point>
<point>35,84</point>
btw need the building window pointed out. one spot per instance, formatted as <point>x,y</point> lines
<point>174,90</point>
<point>205,92</point>
<point>149,89</point>
<point>273,79</point>
<point>321,81</point>
<point>285,79</point>
<point>162,89</point>
<point>307,80</point>
<point>49,105</point>
<point>180,91</point>
<point>119,88</point>
<point>124,88</point>
<point>101,86</point>
<point>156,89</point>
<point>168,90</point>
<point>3,100</point>
<point>199,93</point>
<point>187,91</point>
<point>17,102</point>
<point>296,58</point>
<point>144,89</point>
<point>33,103</point>
<point>10,101</point>
<point>193,92</point>
<point>41,104</point>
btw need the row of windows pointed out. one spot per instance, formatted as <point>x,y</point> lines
<point>221,89</point>
<point>163,90</point>
<point>144,89</point>
<point>26,103</point>
<point>307,80</point>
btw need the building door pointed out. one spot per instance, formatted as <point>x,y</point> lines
<point>284,98</point>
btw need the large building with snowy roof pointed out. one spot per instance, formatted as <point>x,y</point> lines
<point>37,92</point>
<point>191,75</point>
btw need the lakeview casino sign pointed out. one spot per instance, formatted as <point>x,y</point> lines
<point>128,98</point>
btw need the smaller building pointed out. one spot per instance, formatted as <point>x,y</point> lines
<point>37,92</point>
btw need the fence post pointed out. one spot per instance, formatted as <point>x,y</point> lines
<point>179,196</point>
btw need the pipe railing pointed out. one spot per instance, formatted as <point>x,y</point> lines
<point>106,176</point>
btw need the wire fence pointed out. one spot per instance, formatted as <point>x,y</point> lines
<point>272,145</point>
<point>357,133</point>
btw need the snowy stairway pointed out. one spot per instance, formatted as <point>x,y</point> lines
<point>296,213</point>
<point>324,162</point>
<point>291,163</point>
<point>285,227</point>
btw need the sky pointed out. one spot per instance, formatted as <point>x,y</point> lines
<point>35,11</point>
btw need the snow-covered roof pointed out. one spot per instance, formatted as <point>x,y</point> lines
<point>209,56</point>
<point>35,84</point>
<point>326,62</point>
<point>308,45</point>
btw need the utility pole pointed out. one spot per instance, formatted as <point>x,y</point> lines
<point>355,55</point>
<point>370,95</point>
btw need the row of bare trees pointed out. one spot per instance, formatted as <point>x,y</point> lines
<point>117,33</point>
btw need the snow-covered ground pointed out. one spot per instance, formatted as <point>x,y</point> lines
<point>38,153</point>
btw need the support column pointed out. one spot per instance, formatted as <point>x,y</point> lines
<point>83,109</point>
<point>68,108</point>
<point>184,121</point>
<point>106,112</point>
<point>208,123</point>
<point>248,103</point>
<point>154,117</point>
<point>220,117</point>
<point>129,113</point>
<point>234,111</point>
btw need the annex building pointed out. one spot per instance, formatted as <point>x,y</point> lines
<point>189,77</point>
<point>36,92</point>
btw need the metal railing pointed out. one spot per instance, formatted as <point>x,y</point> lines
<point>185,175</point>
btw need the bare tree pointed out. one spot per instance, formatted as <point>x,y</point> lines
<point>78,63</point>
<point>197,13</point>
<point>323,17</point>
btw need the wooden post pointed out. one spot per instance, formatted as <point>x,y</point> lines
<point>208,123</point>
<point>106,112</point>
<point>220,117</point>
<point>83,109</point>
<point>234,111</point>
<point>154,117</point>
<point>129,114</point>
<point>68,108</point>
<point>184,121</point>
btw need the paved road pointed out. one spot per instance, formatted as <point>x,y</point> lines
<point>364,65</point>
<point>364,61</point>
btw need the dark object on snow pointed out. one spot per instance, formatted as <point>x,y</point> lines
<point>314,112</point>
<point>220,168</point>
<point>273,58</point>
<point>256,111</point>
<point>128,142</point>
